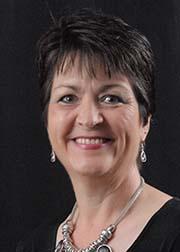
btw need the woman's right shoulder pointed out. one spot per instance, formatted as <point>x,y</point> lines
<point>42,239</point>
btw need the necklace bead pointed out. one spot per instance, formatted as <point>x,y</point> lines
<point>104,248</point>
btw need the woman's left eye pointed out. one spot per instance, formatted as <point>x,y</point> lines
<point>111,99</point>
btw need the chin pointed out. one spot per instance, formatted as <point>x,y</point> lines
<point>92,168</point>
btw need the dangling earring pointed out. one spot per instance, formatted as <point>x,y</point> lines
<point>143,154</point>
<point>53,157</point>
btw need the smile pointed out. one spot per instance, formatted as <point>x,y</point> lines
<point>91,141</point>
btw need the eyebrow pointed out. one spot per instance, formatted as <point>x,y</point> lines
<point>73,87</point>
<point>104,88</point>
<point>107,87</point>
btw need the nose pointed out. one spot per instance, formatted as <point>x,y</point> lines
<point>89,115</point>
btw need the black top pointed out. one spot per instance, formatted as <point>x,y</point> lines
<point>161,234</point>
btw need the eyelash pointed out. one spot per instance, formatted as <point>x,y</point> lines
<point>115,97</point>
<point>62,99</point>
<point>74,98</point>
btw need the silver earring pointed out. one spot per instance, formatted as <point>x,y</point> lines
<point>53,157</point>
<point>143,154</point>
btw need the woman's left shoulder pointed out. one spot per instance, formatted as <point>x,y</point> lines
<point>162,232</point>
<point>172,219</point>
<point>173,206</point>
<point>170,213</point>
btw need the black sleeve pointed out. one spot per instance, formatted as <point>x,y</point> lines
<point>41,240</point>
<point>176,244</point>
<point>25,247</point>
<point>19,248</point>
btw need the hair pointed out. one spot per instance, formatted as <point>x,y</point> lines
<point>97,38</point>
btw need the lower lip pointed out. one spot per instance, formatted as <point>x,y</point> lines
<point>93,146</point>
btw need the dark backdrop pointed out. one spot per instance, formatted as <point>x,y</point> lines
<point>33,190</point>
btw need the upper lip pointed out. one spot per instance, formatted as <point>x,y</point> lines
<point>92,137</point>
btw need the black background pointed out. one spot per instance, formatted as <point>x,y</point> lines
<point>32,189</point>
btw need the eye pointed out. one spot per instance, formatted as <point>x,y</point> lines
<point>68,99</point>
<point>111,99</point>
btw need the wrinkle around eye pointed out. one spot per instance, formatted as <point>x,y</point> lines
<point>68,99</point>
<point>111,99</point>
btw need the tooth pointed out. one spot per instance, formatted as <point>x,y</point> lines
<point>87,141</point>
<point>97,141</point>
<point>92,141</point>
<point>78,140</point>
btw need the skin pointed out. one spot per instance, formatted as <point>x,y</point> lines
<point>104,175</point>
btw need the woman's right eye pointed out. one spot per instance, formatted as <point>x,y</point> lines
<point>68,99</point>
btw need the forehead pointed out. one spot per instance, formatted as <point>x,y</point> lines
<point>79,74</point>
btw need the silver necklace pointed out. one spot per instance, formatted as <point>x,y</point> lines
<point>99,245</point>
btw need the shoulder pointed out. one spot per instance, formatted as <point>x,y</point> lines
<point>166,215</point>
<point>162,232</point>
<point>171,210</point>
<point>42,239</point>
<point>172,219</point>
<point>167,218</point>
<point>175,247</point>
<point>167,226</point>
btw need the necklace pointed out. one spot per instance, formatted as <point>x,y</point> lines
<point>99,245</point>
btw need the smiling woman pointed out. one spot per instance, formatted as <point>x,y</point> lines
<point>82,115</point>
<point>97,81</point>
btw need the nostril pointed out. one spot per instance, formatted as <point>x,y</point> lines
<point>90,121</point>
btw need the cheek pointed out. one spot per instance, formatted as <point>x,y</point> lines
<point>55,122</point>
<point>59,122</point>
<point>126,120</point>
<point>127,127</point>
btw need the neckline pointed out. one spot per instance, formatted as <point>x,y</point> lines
<point>144,230</point>
<point>149,222</point>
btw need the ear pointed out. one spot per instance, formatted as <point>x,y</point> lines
<point>145,129</point>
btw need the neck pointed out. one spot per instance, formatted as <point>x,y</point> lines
<point>102,199</point>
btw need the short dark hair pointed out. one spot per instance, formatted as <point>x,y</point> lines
<point>98,38</point>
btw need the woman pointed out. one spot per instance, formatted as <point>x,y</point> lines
<point>97,76</point>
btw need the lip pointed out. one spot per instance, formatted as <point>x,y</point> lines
<point>92,137</point>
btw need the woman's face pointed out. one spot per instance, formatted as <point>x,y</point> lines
<point>94,124</point>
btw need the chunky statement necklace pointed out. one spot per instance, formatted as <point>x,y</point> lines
<point>99,245</point>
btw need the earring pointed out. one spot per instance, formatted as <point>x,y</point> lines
<point>53,157</point>
<point>143,154</point>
